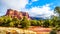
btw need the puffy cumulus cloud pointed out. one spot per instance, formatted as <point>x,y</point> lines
<point>15,4</point>
<point>43,11</point>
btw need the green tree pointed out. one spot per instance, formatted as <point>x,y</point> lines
<point>16,21</point>
<point>54,21</point>
<point>46,23</point>
<point>57,9</point>
<point>11,24</point>
<point>33,22</point>
<point>5,20</point>
<point>42,22</point>
<point>53,31</point>
<point>25,23</point>
<point>39,23</point>
<point>1,21</point>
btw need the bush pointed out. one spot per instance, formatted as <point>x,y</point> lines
<point>39,23</point>
<point>11,24</point>
<point>33,22</point>
<point>25,23</point>
<point>53,31</point>
<point>46,24</point>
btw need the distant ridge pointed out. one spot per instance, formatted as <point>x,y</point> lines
<point>36,18</point>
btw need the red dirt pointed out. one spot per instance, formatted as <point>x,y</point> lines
<point>39,29</point>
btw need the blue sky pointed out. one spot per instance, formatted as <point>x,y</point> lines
<point>35,8</point>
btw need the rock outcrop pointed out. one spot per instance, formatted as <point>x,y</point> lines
<point>18,14</point>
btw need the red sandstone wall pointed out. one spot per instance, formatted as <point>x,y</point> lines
<point>15,13</point>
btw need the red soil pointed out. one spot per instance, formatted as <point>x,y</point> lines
<point>39,29</point>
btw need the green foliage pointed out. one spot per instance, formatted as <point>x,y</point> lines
<point>57,9</point>
<point>46,23</point>
<point>53,32</point>
<point>55,21</point>
<point>33,22</point>
<point>39,23</point>
<point>11,24</point>
<point>25,23</point>
<point>1,20</point>
<point>16,21</point>
<point>58,29</point>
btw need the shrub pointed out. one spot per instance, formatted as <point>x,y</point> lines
<point>25,23</point>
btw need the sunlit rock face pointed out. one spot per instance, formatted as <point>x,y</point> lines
<point>17,14</point>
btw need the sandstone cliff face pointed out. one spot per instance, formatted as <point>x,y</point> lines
<point>18,14</point>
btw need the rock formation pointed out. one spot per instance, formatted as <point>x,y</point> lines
<point>18,14</point>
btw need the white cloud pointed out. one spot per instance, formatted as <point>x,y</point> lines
<point>34,0</point>
<point>15,4</point>
<point>45,11</point>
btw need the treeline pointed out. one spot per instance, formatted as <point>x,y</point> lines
<point>15,22</point>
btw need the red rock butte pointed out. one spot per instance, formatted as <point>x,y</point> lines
<point>18,14</point>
